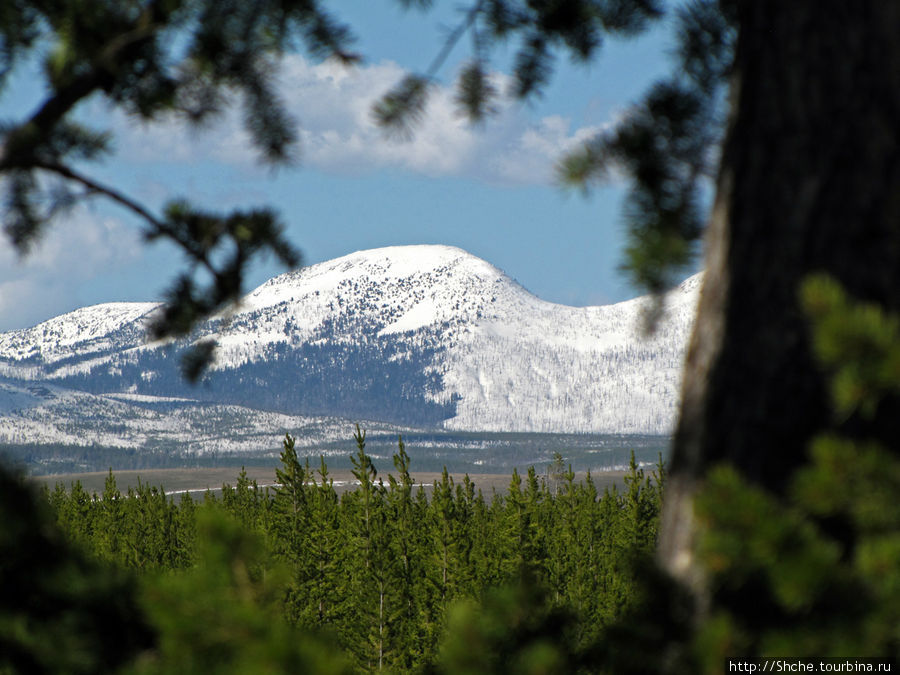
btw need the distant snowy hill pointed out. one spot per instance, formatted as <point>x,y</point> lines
<point>426,336</point>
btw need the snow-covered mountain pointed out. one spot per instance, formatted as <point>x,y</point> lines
<point>428,336</point>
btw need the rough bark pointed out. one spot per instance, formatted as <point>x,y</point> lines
<point>809,182</point>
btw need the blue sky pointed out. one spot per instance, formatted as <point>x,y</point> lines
<point>488,189</point>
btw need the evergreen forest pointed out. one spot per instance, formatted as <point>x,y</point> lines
<point>387,576</point>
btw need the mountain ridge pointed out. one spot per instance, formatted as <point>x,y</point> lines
<point>424,335</point>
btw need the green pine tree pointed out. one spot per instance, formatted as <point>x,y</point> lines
<point>368,631</point>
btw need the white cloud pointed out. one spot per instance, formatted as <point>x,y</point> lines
<point>333,105</point>
<point>45,282</point>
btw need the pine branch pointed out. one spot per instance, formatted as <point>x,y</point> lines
<point>21,143</point>
<point>402,107</point>
<point>95,187</point>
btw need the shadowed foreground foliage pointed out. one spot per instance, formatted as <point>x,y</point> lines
<point>813,573</point>
<point>61,610</point>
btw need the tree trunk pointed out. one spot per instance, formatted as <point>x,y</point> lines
<point>809,182</point>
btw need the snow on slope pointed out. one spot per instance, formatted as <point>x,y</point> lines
<point>580,369</point>
<point>399,289</point>
<point>394,333</point>
<point>89,330</point>
<point>52,415</point>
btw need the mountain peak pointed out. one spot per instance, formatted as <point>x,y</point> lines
<point>85,329</point>
<point>404,260</point>
<point>400,275</point>
<point>425,335</point>
<point>389,262</point>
